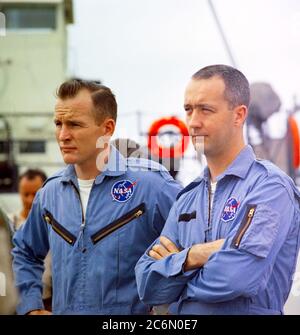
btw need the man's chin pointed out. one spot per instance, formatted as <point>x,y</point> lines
<point>69,159</point>
<point>199,147</point>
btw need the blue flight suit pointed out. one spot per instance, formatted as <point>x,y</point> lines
<point>93,258</point>
<point>256,210</point>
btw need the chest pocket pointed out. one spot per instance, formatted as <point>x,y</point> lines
<point>190,229</point>
<point>59,229</point>
<point>186,217</point>
<point>120,222</point>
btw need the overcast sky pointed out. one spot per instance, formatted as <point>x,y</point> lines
<point>147,50</point>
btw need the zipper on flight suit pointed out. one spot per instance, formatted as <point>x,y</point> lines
<point>82,226</point>
<point>59,229</point>
<point>244,226</point>
<point>120,222</point>
<point>209,215</point>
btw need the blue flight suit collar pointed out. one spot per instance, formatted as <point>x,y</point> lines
<point>116,166</point>
<point>239,167</point>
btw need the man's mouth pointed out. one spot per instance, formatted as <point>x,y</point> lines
<point>66,149</point>
<point>198,137</point>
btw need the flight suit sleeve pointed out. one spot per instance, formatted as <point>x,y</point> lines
<point>162,281</point>
<point>244,264</point>
<point>30,248</point>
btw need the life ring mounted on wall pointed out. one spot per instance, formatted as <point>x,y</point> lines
<point>168,138</point>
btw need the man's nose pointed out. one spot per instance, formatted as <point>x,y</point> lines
<point>195,120</point>
<point>64,133</point>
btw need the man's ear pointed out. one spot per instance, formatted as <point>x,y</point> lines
<point>109,126</point>
<point>240,115</point>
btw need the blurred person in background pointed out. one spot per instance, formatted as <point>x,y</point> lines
<point>29,183</point>
<point>8,292</point>
<point>129,148</point>
<point>267,125</point>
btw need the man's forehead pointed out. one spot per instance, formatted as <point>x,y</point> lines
<point>198,88</point>
<point>74,107</point>
<point>63,112</point>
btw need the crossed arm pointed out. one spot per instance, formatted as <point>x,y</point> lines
<point>217,272</point>
<point>164,271</point>
<point>196,257</point>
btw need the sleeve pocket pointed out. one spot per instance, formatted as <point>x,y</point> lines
<point>258,239</point>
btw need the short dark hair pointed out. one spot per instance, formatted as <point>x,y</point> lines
<point>103,99</point>
<point>32,174</point>
<point>237,91</point>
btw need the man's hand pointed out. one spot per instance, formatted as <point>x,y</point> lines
<point>164,249</point>
<point>39,312</point>
<point>199,254</point>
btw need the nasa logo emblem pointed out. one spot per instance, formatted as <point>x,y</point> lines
<point>230,209</point>
<point>122,190</point>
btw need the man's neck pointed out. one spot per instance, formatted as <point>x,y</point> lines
<point>91,169</point>
<point>217,165</point>
<point>86,173</point>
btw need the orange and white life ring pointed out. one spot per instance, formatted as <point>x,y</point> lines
<point>168,138</point>
<point>294,127</point>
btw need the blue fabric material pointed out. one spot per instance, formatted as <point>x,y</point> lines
<point>92,278</point>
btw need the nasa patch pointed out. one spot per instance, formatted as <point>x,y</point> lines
<point>230,209</point>
<point>122,190</point>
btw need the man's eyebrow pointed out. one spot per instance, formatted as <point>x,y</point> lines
<point>67,120</point>
<point>201,105</point>
<point>205,106</point>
